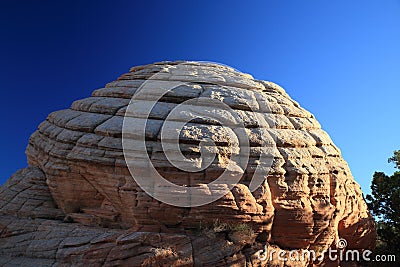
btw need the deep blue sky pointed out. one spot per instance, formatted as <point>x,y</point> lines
<point>339,59</point>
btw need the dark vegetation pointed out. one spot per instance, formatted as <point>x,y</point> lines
<point>384,203</point>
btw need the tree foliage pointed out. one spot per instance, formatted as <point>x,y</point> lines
<point>395,159</point>
<point>384,203</point>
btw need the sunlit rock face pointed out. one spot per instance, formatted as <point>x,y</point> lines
<point>306,199</point>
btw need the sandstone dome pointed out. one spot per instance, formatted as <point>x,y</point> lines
<point>307,198</point>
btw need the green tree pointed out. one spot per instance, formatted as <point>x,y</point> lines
<point>384,204</point>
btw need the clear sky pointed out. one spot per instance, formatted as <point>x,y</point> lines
<point>339,59</point>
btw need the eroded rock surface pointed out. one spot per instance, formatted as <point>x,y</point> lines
<point>78,204</point>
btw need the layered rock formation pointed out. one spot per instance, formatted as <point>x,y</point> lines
<point>78,204</point>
